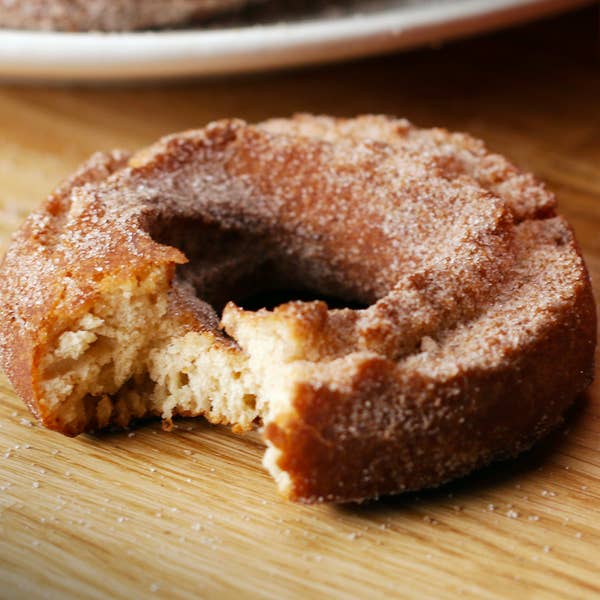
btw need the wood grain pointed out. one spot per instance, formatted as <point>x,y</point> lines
<point>191,513</point>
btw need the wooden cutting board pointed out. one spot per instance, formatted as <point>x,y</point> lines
<point>191,513</point>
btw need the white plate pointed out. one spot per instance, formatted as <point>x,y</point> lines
<point>360,29</point>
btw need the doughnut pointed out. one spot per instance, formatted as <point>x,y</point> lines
<point>434,315</point>
<point>107,15</point>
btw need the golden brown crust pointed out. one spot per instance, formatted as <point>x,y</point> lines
<point>480,325</point>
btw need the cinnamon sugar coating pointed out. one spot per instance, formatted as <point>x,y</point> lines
<point>107,15</point>
<point>478,328</point>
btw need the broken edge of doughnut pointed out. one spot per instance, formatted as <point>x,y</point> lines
<point>123,359</point>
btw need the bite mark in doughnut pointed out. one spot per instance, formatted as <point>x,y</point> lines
<point>477,327</point>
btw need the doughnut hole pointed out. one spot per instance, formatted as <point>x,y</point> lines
<point>253,270</point>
